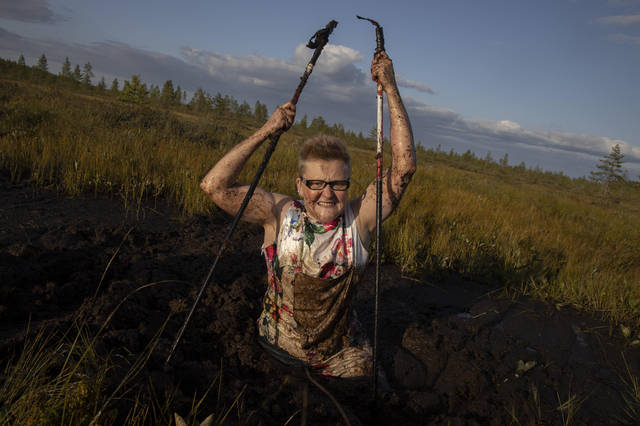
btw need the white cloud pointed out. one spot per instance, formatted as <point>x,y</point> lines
<point>421,87</point>
<point>251,69</point>
<point>333,58</point>
<point>624,39</point>
<point>508,125</point>
<point>621,20</point>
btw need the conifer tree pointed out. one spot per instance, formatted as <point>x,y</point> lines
<point>504,161</point>
<point>221,104</point>
<point>178,95</point>
<point>167,96</point>
<point>373,133</point>
<point>609,170</point>
<point>115,86</point>
<point>134,91</point>
<point>201,101</point>
<point>21,61</point>
<point>102,85</point>
<point>244,109</point>
<point>260,112</point>
<point>66,68</point>
<point>303,122</point>
<point>232,104</point>
<point>154,93</point>
<point>77,74</point>
<point>87,73</point>
<point>42,64</point>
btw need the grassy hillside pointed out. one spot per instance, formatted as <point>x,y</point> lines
<point>537,232</point>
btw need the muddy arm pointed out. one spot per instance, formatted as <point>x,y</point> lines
<point>221,182</point>
<point>403,155</point>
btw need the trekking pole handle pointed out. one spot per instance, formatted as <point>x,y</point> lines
<point>379,34</point>
<point>317,42</point>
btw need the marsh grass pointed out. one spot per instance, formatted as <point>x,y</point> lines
<point>630,396</point>
<point>62,378</point>
<point>52,382</point>
<point>538,232</point>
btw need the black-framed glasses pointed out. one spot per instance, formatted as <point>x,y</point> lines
<point>317,185</point>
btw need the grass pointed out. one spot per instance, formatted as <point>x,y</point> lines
<point>569,408</point>
<point>630,396</point>
<point>542,233</point>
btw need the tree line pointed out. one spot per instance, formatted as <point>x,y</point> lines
<point>609,171</point>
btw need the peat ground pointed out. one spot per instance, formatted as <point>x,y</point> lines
<point>452,351</point>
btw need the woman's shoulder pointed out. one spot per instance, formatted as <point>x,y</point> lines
<point>290,211</point>
<point>282,204</point>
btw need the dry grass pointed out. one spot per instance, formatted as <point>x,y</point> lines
<point>544,234</point>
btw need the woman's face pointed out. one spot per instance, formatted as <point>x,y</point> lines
<point>325,204</point>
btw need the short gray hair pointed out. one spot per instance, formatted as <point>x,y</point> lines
<point>323,147</point>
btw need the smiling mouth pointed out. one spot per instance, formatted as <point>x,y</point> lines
<point>325,203</point>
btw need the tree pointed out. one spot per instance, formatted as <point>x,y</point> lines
<point>178,95</point>
<point>223,104</point>
<point>154,93</point>
<point>102,85</point>
<point>87,73</point>
<point>609,170</point>
<point>244,110</point>
<point>303,122</point>
<point>232,103</point>
<point>373,133</point>
<point>504,161</point>
<point>134,91</point>
<point>21,61</point>
<point>260,112</point>
<point>469,155</point>
<point>200,102</point>
<point>167,95</point>
<point>77,74</point>
<point>42,64</point>
<point>66,68</point>
<point>318,124</point>
<point>115,86</point>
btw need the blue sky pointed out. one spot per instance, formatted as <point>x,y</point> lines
<point>551,83</point>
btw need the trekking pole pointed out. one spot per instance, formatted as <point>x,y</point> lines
<point>379,48</point>
<point>317,42</point>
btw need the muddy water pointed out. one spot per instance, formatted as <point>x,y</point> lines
<point>452,351</point>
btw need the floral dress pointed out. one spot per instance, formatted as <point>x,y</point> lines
<point>325,251</point>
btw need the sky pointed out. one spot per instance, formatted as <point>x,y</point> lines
<point>551,83</point>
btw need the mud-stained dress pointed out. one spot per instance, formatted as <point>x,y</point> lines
<point>313,269</point>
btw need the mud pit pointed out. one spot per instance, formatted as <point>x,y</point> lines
<point>453,352</point>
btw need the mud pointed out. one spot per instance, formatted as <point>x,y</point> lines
<point>453,352</point>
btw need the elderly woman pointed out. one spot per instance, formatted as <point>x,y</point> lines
<point>316,247</point>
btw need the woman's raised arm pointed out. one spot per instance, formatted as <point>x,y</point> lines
<point>403,153</point>
<point>220,183</point>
